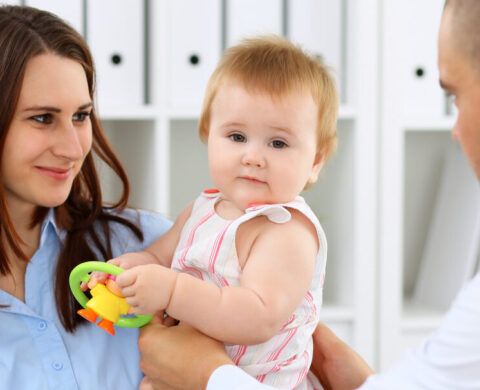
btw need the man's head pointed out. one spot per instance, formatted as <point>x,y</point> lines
<point>459,67</point>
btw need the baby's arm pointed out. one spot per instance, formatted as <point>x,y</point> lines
<point>161,250</point>
<point>276,277</point>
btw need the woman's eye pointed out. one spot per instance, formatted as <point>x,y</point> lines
<point>44,119</point>
<point>237,138</point>
<point>277,144</point>
<point>81,116</point>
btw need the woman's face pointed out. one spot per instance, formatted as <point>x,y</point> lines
<point>50,134</point>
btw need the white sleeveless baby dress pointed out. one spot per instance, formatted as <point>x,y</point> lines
<point>206,250</point>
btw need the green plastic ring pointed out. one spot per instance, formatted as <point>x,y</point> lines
<point>81,274</point>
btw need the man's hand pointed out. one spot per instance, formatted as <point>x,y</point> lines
<point>178,357</point>
<point>335,364</point>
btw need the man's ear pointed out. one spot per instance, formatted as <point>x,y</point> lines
<point>316,167</point>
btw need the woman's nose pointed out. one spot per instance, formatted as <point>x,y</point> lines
<point>67,142</point>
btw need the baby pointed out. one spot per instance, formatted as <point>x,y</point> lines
<point>245,262</point>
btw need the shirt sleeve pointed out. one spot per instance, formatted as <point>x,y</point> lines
<point>449,358</point>
<point>233,378</point>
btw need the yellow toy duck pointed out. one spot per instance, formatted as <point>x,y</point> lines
<point>107,303</point>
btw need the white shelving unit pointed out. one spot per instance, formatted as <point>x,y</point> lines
<point>158,143</point>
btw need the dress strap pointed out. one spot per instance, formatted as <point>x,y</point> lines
<point>274,212</point>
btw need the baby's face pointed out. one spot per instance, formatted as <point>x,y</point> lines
<point>262,150</point>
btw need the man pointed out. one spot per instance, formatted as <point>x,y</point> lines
<point>181,358</point>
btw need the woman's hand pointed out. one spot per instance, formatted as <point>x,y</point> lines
<point>178,357</point>
<point>335,364</point>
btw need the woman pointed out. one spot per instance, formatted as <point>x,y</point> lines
<point>52,216</point>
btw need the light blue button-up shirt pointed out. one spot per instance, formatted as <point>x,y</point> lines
<point>35,350</point>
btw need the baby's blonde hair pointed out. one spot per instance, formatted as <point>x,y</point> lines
<point>274,65</point>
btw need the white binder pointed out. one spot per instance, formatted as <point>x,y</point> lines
<point>452,245</point>
<point>115,33</point>
<point>316,25</point>
<point>422,95</point>
<point>247,18</point>
<point>71,11</point>
<point>194,49</point>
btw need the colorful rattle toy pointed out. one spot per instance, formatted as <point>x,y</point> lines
<point>107,302</point>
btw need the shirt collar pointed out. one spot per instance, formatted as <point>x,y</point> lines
<point>51,220</point>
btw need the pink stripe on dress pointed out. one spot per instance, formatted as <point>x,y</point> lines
<point>274,355</point>
<point>290,320</point>
<point>276,368</point>
<point>311,302</point>
<point>303,373</point>
<point>181,260</point>
<point>222,282</point>
<point>241,349</point>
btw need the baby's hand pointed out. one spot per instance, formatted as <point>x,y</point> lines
<point>126,261</point>
<point>147,288</point>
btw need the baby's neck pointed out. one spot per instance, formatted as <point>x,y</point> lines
<point>228,210</point>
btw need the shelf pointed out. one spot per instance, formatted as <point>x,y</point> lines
<point>420,317</point>
<point>336,313</point>
<point>185,113</point>
<point>193,113</point>
<point>430,124</point>
<point>148,112</point>
<point>346,112</point>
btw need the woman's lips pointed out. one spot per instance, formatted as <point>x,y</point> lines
<point>56,173</point>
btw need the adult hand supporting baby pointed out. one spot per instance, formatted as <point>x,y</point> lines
<point>175,357</point>
<point>335,364</point>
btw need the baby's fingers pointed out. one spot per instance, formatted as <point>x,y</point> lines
<point>115,261</point>
<point>129,291</point>
<point>126,278</point>
<point>97,277</point>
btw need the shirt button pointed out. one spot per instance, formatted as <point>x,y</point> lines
<point>57,366</point>
<point>42,325</point>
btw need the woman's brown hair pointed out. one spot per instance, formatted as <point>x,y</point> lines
<point>25,33</point>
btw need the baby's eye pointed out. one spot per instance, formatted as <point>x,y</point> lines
<point>44,119</point>
<point>237,138</point>
<point>81,116</point>
<point>277,144</point>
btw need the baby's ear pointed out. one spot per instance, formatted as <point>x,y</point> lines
<point>316,167</point>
